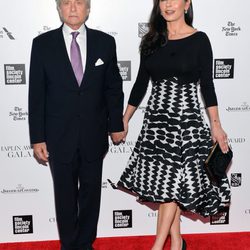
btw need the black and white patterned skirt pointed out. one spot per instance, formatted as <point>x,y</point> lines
<point>167,163</point>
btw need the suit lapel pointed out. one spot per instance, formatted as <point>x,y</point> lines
<point>64,58</point>
<point>89,57</point>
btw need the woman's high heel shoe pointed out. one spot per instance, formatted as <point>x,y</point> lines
<point>184,245</point>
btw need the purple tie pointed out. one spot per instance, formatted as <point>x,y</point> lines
<point>76,59</point>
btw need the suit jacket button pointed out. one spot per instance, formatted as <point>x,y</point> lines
<point>80,93</point>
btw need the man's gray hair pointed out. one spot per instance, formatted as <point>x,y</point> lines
<point>87,2</point>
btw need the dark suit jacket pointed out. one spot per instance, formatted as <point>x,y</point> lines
<point>67,116</point>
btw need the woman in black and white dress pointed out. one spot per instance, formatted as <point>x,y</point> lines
<point>167,164</point>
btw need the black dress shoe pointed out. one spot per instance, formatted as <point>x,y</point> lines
<point>184,245</point>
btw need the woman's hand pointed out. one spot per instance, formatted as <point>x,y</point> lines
<point>125,125</point>
<point>126,117</point>
<point>219,135</point>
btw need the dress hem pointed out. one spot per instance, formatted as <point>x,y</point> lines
<point>142,198</point>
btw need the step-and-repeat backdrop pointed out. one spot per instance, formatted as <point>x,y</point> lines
<point>26,194</point>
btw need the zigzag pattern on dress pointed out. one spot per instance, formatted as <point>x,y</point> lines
<point>167,163</point>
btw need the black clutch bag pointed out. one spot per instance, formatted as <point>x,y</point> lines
<point>217,163</point>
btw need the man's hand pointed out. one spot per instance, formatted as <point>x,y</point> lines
<point>117,137</point>
<point>40,152</point>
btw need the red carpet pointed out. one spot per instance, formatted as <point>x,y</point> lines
<point>225,241</point>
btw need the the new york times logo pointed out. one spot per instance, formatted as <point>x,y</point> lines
<point>125,70</point>
<point>19,190</point>
<point>231,29</point>
<point>224,68</point>
<point>222,218</point>
<point>122,219</point>
<point>236,179</point>
<point>23,224</point>
<point>14,74</point>
<point>112,33</point>
<point>142,29</point>
<point>8,33</point>
<point>18,114</point>
<point>45,29</point>
<point>17,151</point>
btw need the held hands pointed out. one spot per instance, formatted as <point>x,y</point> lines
<point>120,137</point>
<point>117,137</point>
<point>41,153</point>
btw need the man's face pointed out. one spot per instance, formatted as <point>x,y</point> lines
<point>73,12</point>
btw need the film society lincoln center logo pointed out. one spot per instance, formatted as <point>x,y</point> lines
<point>14,74</point>
<point>122,219</point>
<point>23,224</point>
<point>142,29</point>
<point>221,218</point>
<point>125,70</point>
<point>236,179</point>
<point>223,68</point>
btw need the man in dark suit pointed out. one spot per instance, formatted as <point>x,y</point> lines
<point>75,100</point>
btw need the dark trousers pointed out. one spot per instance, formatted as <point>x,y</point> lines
<point>77,188</point>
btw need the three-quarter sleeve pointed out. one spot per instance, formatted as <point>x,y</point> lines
<point>206,72</point>
<point>140,86</point>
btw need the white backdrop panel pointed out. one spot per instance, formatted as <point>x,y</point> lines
<point>26,186</point>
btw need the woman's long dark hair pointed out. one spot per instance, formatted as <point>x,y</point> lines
<point>157,35</point>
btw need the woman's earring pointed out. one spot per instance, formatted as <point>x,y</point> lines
<point>185,11</point>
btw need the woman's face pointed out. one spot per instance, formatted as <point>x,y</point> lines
<point>173,10</point>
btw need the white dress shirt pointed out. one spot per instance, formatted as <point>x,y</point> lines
<point>81,40</point>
